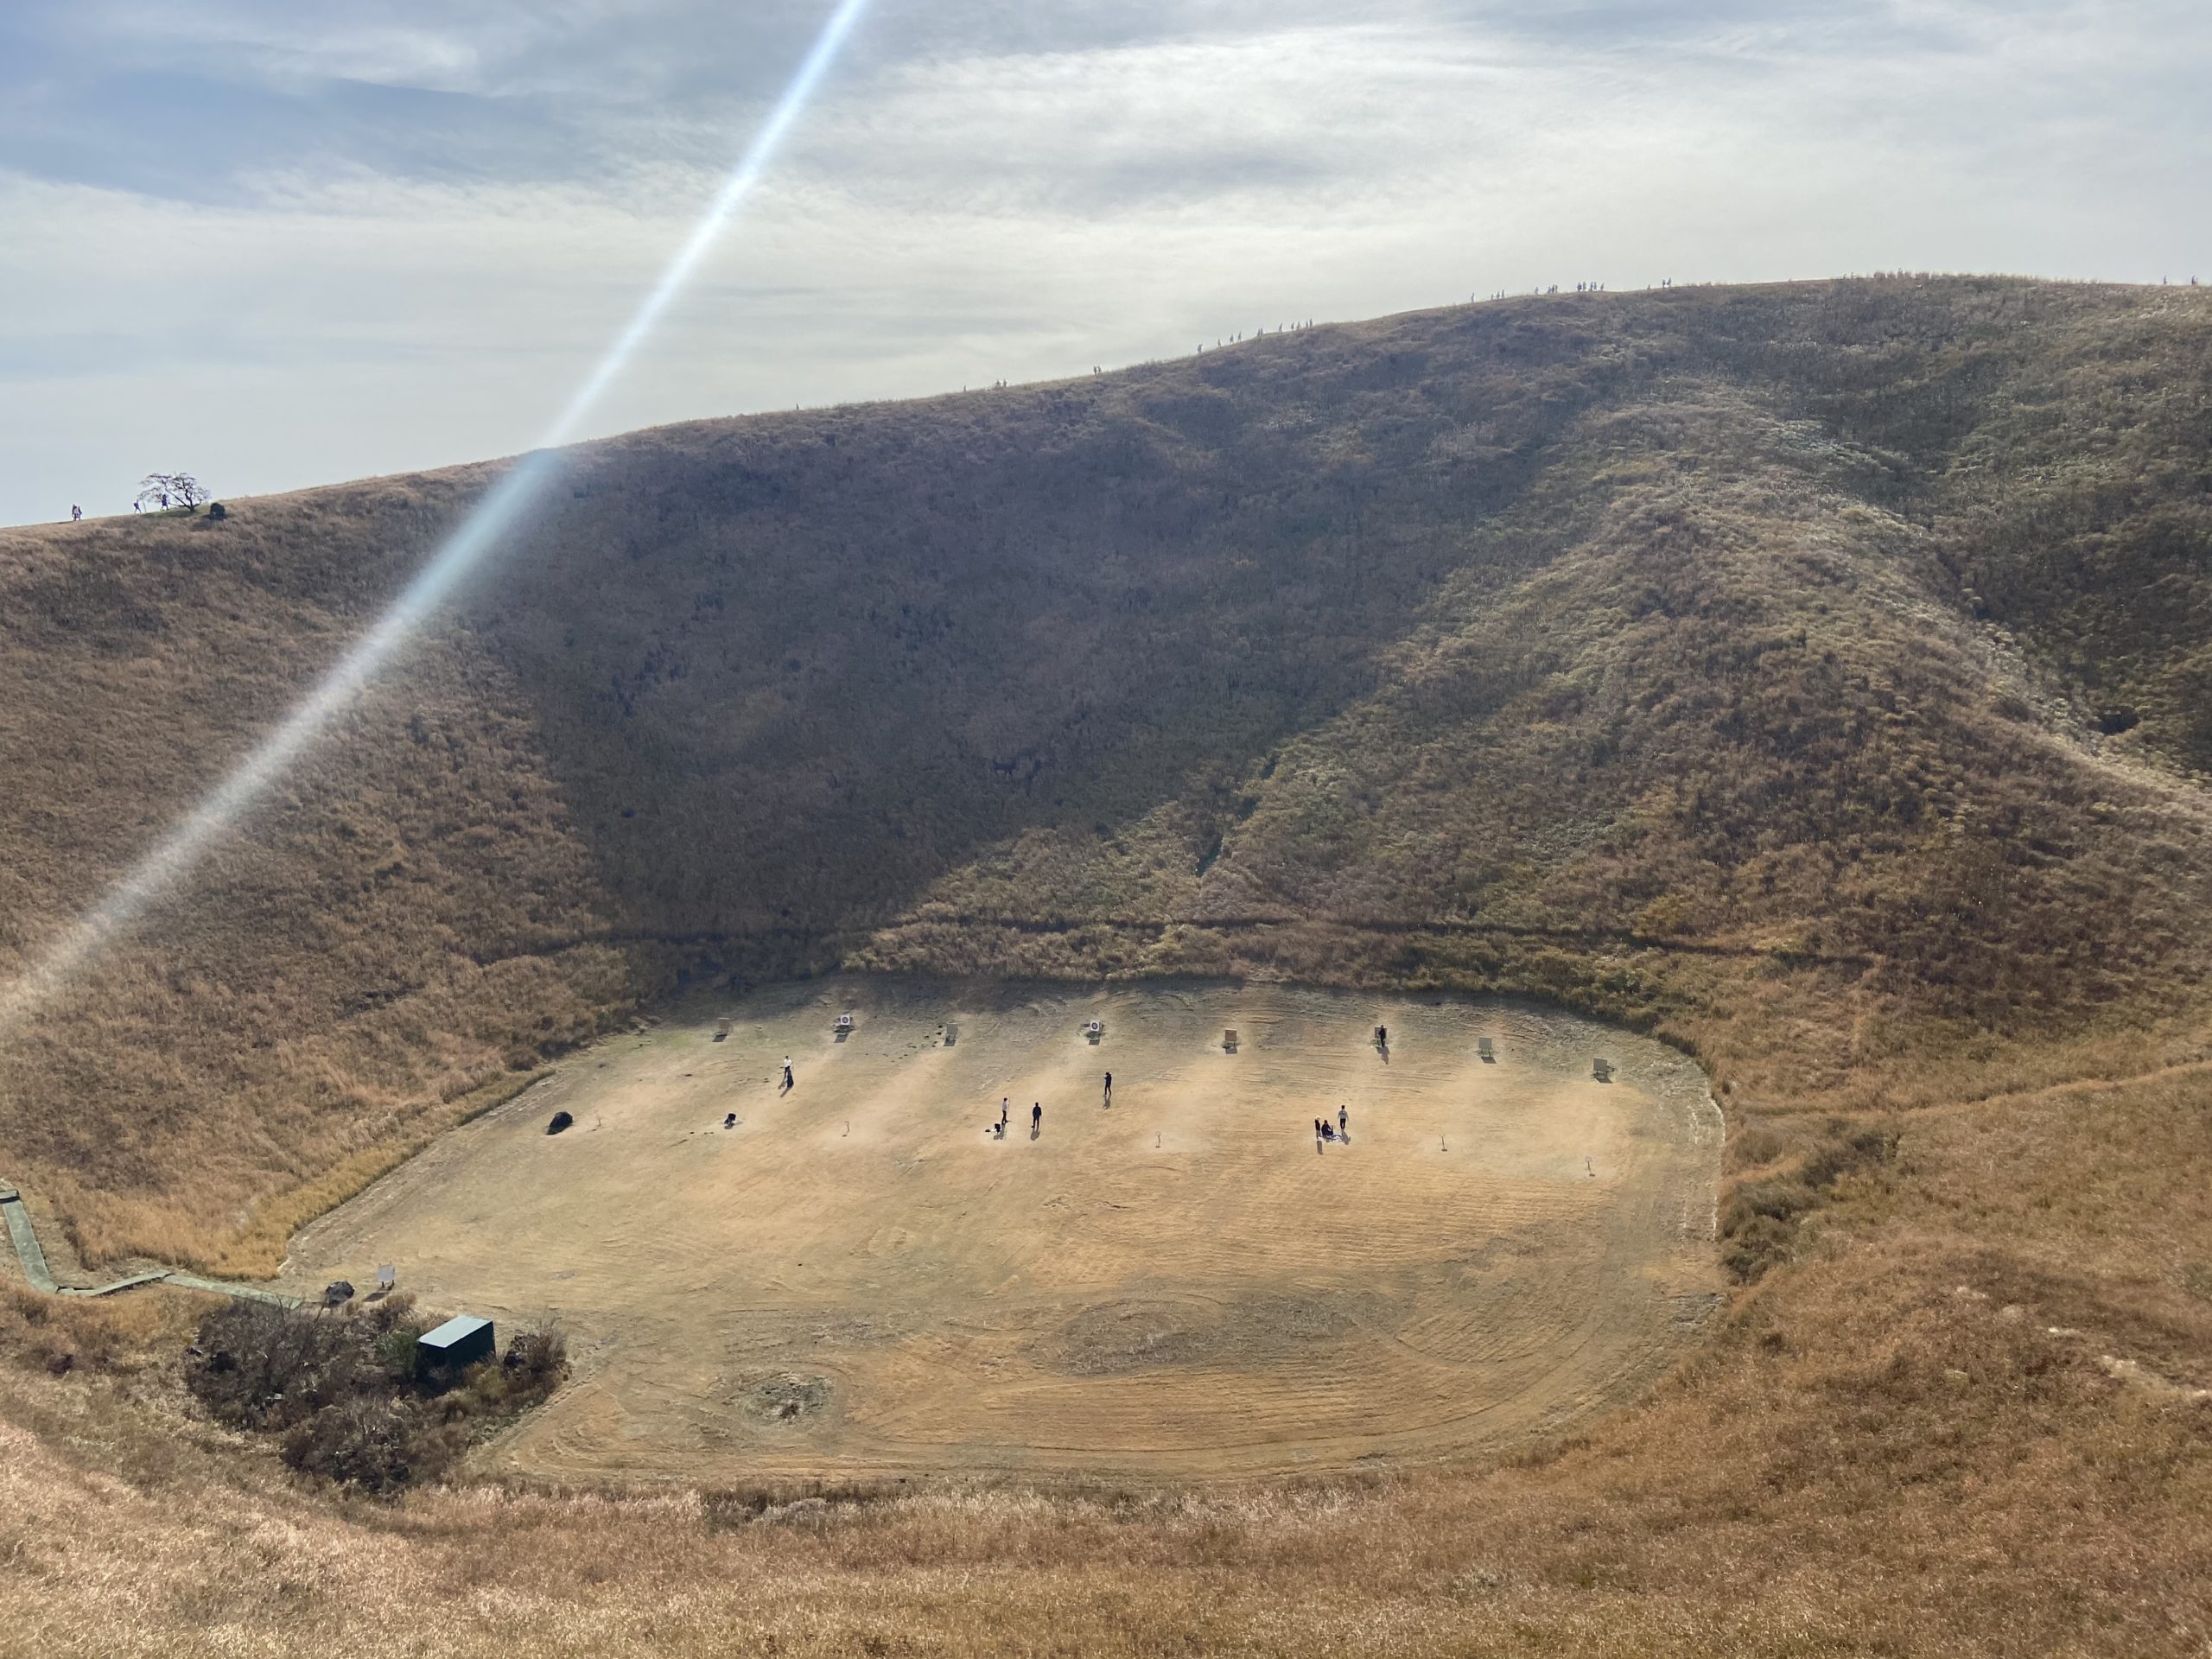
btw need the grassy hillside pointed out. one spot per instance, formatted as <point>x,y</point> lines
<point>1819,676</point>
<point>1805,672</point>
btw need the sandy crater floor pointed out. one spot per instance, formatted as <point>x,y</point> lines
<point>857,1280</point>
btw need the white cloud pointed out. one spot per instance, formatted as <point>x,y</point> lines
<point>989,191</point>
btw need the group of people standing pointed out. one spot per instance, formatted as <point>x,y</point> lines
<point>1006,1111</point>
<point>1036,1113</point>
<point>1324,1131</point>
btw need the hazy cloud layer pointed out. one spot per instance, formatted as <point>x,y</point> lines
<point>282,244</point>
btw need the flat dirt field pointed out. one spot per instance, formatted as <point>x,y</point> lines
<point>858,1278</point>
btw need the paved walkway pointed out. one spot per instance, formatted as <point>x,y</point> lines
<point>40,1276</point>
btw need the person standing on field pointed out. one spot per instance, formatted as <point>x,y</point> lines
<point>1109,1089</point>
<point>1036,1119</point>
<point>1344,1123</point>
<point>790,1083</point>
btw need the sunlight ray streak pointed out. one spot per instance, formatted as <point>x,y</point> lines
<point>502,507</point>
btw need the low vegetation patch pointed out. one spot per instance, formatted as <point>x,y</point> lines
<point>345,1397</point>
<point>1787,1173</point>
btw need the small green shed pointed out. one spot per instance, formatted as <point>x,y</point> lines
<point>460,1341</point>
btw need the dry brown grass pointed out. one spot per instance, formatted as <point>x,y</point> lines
<point>1661,649</point>
<point>1884,1452</point>
<point>851,1283</point>
<point>1815,676</point>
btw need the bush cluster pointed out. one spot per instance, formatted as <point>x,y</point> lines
<point>342,1392</point>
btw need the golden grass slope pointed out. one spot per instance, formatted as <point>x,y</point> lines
<point>396,932</point>
<point>1812,675</point>
<point>1732,661</point>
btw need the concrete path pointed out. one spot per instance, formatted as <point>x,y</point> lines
<point>40,1276</point>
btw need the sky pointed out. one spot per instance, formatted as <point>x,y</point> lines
<point>278,244</point>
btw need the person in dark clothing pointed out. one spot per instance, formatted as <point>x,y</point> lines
<point>1109,1088</point>
<point>1036,1117</point>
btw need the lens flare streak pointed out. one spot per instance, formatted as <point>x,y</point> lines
<point>502,507</point>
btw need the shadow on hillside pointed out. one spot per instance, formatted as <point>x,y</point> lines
<point>791,672</point>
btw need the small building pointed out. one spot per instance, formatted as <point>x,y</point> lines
<point>460,1341</point>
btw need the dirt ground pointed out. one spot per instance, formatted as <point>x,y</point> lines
<point>858,1278</point>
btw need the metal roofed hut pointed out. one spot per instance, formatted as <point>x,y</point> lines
<point>454,1346</point>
